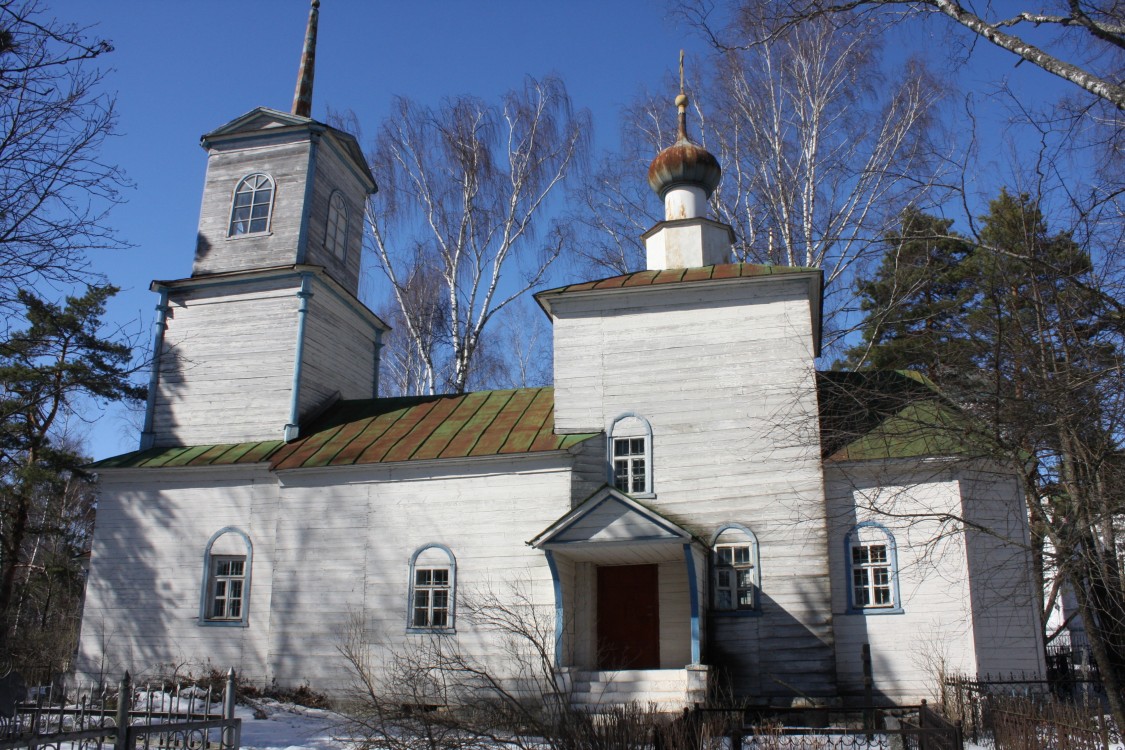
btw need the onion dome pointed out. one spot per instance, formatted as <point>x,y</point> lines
<point>684,163</point>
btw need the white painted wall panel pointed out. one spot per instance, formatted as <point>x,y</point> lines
<point>1008,636</point>
<point>146,573</point>
<point>226,370</point>
<point>725,377</point>
<point>934,632</point>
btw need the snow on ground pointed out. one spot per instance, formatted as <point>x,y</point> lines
<point>290,727</point>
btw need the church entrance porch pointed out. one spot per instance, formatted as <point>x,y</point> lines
<point>627,585</point>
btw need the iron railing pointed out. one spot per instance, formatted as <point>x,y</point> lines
<point>151,719</point>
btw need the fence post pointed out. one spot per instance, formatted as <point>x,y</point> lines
<point>124,702</point>
<point>868,689</point>
<point>228,696</point>
<point>228,708</point>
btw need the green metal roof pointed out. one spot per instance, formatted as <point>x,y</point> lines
<point>228,454</point>
<point>865,415</point>
<point>885,414</point>
<point>484,423</point>
<point>680,275</point>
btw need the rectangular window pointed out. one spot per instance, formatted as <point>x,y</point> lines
<point>227,587</point>
<point>871,576</point>
<point>734,576</point>
<point>629,464</point>
<point>431,598</point>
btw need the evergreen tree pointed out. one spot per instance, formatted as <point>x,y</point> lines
<point>1018,329</point>
<point>60,362</point>
<point>916,301</point>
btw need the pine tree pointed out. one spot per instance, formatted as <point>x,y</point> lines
<point>60,362</point>
<point>1018,330</point>
<point>915,303</point>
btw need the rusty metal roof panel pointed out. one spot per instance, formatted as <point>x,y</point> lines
<point>669,276</point>
<point>373,445</point>
<point>467,438</point>
<point>441,436</point>
<point>539,412</point>
<point>492,440</point>
<point>226,454</point>
<point>485,423</point>
<point>405,448</point>
<point>433,427</point>
<point>680,275</point>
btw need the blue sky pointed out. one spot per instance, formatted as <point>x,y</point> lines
<point>181,69</point>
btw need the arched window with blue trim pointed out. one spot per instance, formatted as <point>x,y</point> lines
<point>252,205</point>
<point>630,454</point>
<point>735,569</point>
<point>872,564</point>
<point>433,579</point>
<point>227,562</point>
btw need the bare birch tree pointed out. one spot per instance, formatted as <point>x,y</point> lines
<point>466,190</point>
<point>1091,33</point>
<point>819,152</point>
<point>818,149</point>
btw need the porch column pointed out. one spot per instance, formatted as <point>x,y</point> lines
<point>694,594</point>
<point>559,610</point>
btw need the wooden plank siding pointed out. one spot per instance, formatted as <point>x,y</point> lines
<point>226,369</point>
<point>934,629</point>
<point>333,173</point>
<point>287,164</point>
<point>1007,635</point>
<point>345,544</point>
<point>724,375</point>
<point>339,352</point>
<point>146,571</point>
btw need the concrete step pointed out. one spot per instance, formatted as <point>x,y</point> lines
<point>642,686</point>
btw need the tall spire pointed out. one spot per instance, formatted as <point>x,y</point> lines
<point>302,96</point>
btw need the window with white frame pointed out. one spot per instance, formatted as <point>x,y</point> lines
<point>629,466</point>
<point>336,233</point>
<point>252,205</point>
<point>871,564</point>
<point>735,573</point>
<point>227,562</point>
<point>432,577</point>
<point>630,454</point>
<point>228,585</point>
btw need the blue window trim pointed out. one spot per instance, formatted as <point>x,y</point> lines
<point>649,484</point>
<point>269,216</point>
<point>206,584</point>
<point>410,628</point>
<point>753,538</point>
<point>892,560</point>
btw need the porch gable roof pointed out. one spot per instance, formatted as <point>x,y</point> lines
<point>610,517</point>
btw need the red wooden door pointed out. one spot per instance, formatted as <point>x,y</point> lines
<point>628,617</point>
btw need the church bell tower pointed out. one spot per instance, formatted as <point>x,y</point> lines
<point>267,331</point>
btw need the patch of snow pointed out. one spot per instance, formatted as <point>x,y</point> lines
<point>289,727</point>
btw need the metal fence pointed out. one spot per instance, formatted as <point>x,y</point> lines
<point>855,728</point>
<point>131,719</point>
<point>991,704</point>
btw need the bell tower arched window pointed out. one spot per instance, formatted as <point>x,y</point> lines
<point>252,205</point>
<point>336,233</point>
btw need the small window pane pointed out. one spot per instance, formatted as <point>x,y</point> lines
<point>251,206</point>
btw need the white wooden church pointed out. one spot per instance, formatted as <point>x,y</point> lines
<point>691,502</point>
